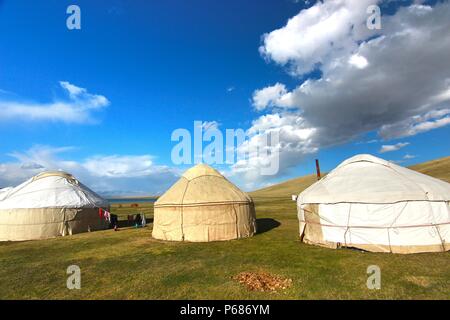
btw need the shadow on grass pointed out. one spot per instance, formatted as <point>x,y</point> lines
<point>124,223</point>
<point>262,225</point>
<point>266,224</point>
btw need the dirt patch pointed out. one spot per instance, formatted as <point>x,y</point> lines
<point>262,281</point>
<point>419,281</point>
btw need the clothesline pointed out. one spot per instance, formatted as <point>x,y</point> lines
<point>104,214</point>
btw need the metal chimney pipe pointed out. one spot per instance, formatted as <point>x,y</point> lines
<point>318,169</point>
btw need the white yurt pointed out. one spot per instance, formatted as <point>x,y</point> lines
<point>4,192</point>
<point>375,205</point>
<point>203,206</point>
<point>48,205</point>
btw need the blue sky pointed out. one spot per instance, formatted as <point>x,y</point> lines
<point>160,65</point>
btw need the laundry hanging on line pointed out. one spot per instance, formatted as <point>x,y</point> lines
<point>104,214</point>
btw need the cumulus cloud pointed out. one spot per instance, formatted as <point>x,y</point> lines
<point>416,124</point>
<point>394,81</point>
<point>358,61</point>
<point>271,96</point>
<point>319,34</point>
<point>295,141</point>
<point>393,147</point>
<point>79,107</point>
<point>108,174</point>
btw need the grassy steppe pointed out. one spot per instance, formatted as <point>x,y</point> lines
<point>129,264</point>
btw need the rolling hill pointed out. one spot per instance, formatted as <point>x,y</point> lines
<point>439,168</point>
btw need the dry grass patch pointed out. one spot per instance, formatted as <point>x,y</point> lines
<point>424,282</point>
<point>262,281</point>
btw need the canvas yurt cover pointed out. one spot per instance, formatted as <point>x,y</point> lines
<point>376,205</point>
<point>203,206</point>
<point>4,192</point>
<point>48,205</point>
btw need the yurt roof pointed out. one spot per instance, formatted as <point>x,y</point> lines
<point>4,192</point>
<point>51,189</point>
<point>202,185</point>
<point>368,179</point>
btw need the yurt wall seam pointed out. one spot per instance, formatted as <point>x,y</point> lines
<point>182,211</point>
<point>431,210</point>
<point>234,210</point>
<point>437,228</point>
<point>389,239</point>
<point>206,175</point>
<point>398,216</point>
<point>434,221</point>
<point>348,224</point>
<point>440,237</point>
<point>372,202</point>
<point>369,161</point>
<point>392,225</point>
<point>318,214</point>
<point>373,227</point>
<point>236,223</point>
<point>38,224</point>
<point>64,222</point>
<point>165,205</point>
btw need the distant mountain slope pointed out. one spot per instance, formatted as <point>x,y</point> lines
<point>439,168</point>
<point>287,188</point>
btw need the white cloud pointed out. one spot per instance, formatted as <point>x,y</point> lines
<point>73,90</point>
<point>110,174</point>
<point>271,96</point>
<point>367,142</point>
<point>395,82</point>
<point>120,166</point>
<point>358,61</point>
<point>78,108</point>
<point>408,156</point>
<point>296,141</point>
<point>416,124</point>
<point>318,34</point>
<point>393,147</point>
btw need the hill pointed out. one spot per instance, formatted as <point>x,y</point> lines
<point>439,168</point>
<point>285,189</point>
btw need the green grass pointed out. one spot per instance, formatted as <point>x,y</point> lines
<point>129,264</point>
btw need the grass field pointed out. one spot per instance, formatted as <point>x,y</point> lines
<point>129,264</point>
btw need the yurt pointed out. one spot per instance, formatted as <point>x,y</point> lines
<point>48,205</point>
<point>375,205</point>
<point>203,206</point>
<point>4,192</point>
